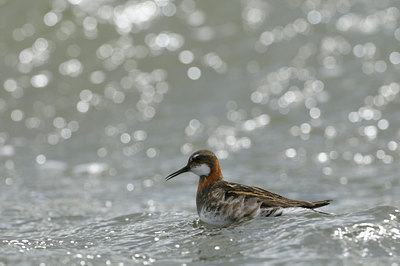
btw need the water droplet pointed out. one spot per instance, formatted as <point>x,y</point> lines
<point>186,57</point>
<point>194,73</point>
<point>151,152</point>
<point>130,187</point>
<point>314,17</point>
<point>40,159</point>
<point>125,138</point>
<point>17,115</point>
<point>290,153</point>
<point>50,19</point>
<point>82,106</point>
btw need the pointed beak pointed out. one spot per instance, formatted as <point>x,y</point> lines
<point>183,170</point>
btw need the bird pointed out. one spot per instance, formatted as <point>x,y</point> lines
<point>221,203</point>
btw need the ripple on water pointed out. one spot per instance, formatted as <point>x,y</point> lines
<point>180,237</point>
<point>95,92</point>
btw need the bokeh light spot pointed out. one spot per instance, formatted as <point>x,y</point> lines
<point>194,73</point>
<point>186,57</point>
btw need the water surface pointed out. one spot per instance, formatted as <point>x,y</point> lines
<point>100,100</point>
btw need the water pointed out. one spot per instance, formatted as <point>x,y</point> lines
<point>100,100</point>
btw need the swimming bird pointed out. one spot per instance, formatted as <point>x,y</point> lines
<point>220,202</point>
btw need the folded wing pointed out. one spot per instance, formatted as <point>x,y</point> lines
<point>268,199</point>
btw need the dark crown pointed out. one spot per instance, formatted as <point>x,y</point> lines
<point>202,156</point>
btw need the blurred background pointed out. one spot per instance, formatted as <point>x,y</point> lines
<point>101,99</point>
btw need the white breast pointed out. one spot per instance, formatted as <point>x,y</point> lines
<point>201,170</point>
<point>213,217</point>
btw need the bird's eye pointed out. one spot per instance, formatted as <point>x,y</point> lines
<point>196,157</point>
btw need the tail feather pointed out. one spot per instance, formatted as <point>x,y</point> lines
<point>318,203</point>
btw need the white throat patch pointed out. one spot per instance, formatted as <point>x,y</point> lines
<point>201,170</point>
